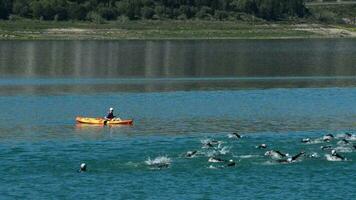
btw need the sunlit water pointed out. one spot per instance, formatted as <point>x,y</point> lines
<point>41,147</point>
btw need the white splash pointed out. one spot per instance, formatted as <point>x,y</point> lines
<point>230,135</point>
<point>344,149</point>
<point>345,136</point>
<point>314,155</point>
<point>214,160</point>
<point>132,164</point>
<point>208,141</point>
<point>352,138</point>
<point>332,158</point>
<point>225,150</point>
<point>212,167</point>
<point>211,153</point>
<point>159,162</point>
<point>205,141</point>
<point>342,143</point>
<point>275,155</point>
<point>248,156</point>
<point>340,136</point>
<point>316,141</point>
<point>269,162</point>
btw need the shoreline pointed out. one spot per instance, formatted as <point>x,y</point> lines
<point>177,39</point>
<point>168,30</point>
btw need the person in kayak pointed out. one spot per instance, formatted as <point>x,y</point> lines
<point>110,115</point>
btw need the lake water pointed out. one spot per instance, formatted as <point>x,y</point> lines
<point>180,94</point>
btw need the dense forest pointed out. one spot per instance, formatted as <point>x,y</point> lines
<point>94,10</point>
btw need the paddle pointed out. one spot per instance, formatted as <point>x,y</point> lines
<point>106,120</point>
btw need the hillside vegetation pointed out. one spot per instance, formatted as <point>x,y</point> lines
<point>100,10</point>
<point>174,19</point>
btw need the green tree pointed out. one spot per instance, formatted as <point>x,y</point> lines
<point>221,14</point>
<point>204,13</point>
<point>270,9</point>
<point>108,13</point>
<point>129,8</point>
<point>5,8</point>
<point>296,8</point>
<point>76,11</point>
<point>21,8</point>
<point>248,6</point>
<point>186,10</point>
<point>151,9</point>
<point>147,12</point>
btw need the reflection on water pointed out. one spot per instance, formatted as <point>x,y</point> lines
<point>41,67</point>
<point>108,59</point>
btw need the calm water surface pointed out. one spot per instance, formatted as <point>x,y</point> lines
<point>179,93</point>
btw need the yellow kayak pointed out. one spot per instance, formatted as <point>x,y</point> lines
<point>92,120</point>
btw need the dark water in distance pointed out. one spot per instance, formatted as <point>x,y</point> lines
<point>178,93</point>
<point>212,58</point>
<point>47,66</point>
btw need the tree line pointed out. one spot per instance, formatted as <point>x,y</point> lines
<point>93,10</point>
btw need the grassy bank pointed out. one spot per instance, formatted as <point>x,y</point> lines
<point>115,30</point>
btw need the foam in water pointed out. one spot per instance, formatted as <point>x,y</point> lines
<point>215,160</point>
<point>132,164</point>
<point>212,167</point>
<point>235,136</point>
<point>191,154</point>
<point>332,158</point>
<point>348,136</point>
<point>317,141</point>
<point>352,138</point>
<point>344,149</point>
<point>207,143</point>
<point>248,156</point>
<point>340,136</point>
<point>313,155</point>
<point>224,150</point>
<point>159,162</point>
<point>210,153</point>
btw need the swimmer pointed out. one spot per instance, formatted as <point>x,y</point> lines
<point>261,146</point>
<point>83,167</point>
<point>328,137</point>
<point>190,154</point>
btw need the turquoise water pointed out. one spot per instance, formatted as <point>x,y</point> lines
<point>180,95</point>
<point>41,148</point>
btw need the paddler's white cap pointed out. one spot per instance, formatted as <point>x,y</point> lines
<point>83,165</point>
<point>111,109</point>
